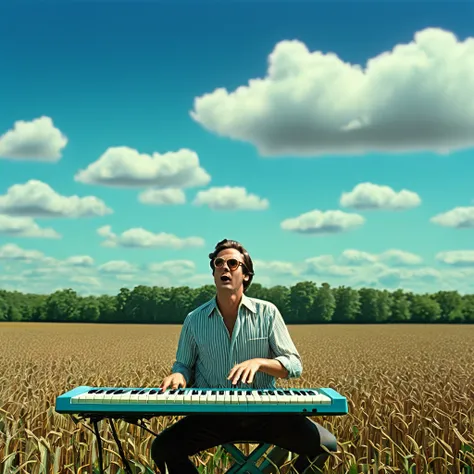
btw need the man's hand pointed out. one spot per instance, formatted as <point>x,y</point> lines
<point>173,381</point>
<point>245,370</point>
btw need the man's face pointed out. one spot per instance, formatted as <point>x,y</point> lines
<point>224,277</point>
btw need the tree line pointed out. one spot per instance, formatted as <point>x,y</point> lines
<point>303,303</point>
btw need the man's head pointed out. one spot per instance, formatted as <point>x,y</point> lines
<point>231,265</point>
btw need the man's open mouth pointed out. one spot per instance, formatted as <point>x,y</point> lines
<point>225,278</point>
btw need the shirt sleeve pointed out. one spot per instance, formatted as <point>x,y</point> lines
<point>186,354</point>
<point>283,347</point>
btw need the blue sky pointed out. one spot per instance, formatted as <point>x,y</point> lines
<point>268,112</point>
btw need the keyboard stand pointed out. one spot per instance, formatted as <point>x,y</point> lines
<point>247,464</point>
<point>243,464</point>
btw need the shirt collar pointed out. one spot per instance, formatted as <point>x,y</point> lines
<point>245,301</point>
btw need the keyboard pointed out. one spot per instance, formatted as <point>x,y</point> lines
<point>119,401</point>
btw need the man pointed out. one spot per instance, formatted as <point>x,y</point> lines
<point>234,340</point>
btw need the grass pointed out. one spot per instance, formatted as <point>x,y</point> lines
<point>410,390</point>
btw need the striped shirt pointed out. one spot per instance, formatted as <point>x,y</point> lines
<point>206,353</point>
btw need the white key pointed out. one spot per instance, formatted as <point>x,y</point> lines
<point>264,397</point>
<point>255,398</point>
<point>323,399</point>
<point>242,399</point>
<point>157,398</point>
<point>283,398</point>
<point>220,398</point>
<point>211,399</point>
<point>195,398</point>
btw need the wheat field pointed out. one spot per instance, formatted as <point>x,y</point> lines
<point>410,390</point>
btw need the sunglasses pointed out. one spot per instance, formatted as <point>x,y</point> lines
<point>232,263</point>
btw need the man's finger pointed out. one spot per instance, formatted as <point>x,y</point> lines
<point>238,375</point>
<point>247,375</point>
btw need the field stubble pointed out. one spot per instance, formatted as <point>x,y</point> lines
<point>410,390</point>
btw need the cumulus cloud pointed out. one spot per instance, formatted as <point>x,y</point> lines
<point>162,197</point>
<point>322,222</point>
<point>457,258</point>
<point>37,140</point>
<point>173,267</point>
<point>276,267</point>
<point>38,199</point>
<point>325,265</point>
<point>117,266</point>
<point>25,227</point>
<point>391,257</point>
<point>138,237</point>
<point>126,167</point>
<point>418,96</point>
<point>230,198</point>
<point>14,252</point>
<point>80,261</point>
<point>396,277</point>
<point>459,217</point>
<point>369,196</point>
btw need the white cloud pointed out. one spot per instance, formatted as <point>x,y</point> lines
<point>14,252</point>
<point>276,267</point>
<point>162,196</point>
<point>80,261</point>
<point>25,227</point>
<point>173,267</point>
<point>369,196</point>
<point>86,280</point>
<point>459,217</point>
<point>391,257</point>
<point>38,140</point>
<point>126,167</point>
<point>117,266</point>
<point>38,199</point>
<point>322,222</point>
<point>140,238</point>
<point>325,265</point>
<point>418,96</point>
<point>457,258</point>
<point>230,198</point>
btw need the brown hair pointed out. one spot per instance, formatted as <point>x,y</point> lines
<point>233,244</point>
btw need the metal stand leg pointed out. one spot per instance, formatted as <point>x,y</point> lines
<point>247,464</point>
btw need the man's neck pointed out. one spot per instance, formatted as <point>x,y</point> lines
<point>229,304</point>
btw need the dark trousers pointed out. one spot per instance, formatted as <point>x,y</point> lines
<point>196,433</point>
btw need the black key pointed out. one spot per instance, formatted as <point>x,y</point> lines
<point>239,392</point>
<point>221,392</point>
<point>280,392</point>
<point>141,392</point>
<point>213,392</point>
<point>260,392</point>
<point>195,392</point>
<point>108,392</point>
<point>173,391</point>
<point>181,391</point>
<point>231,392</point>
<point>271,392</point>
<point>287,392</point>
<point>249,393</point>
<point>311,392</point>
<point>134,392</point>
<point>153,391</point>
<point>92,391</point>
<point>204,392</point>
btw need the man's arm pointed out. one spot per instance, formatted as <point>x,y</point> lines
<point>287,362</point>
<point>186,353</point>
<point>273,367</point>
